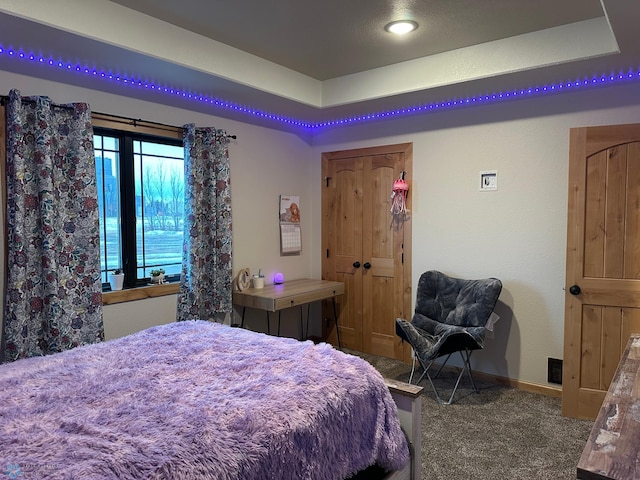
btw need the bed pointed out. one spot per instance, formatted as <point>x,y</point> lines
<point>202,400</point>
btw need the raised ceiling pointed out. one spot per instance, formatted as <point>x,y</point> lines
<point>309,62</point>
<point>334,38</point>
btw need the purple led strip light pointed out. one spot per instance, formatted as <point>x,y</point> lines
<point>449,104</point>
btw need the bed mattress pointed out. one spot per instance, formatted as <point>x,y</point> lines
<point>197,400</point>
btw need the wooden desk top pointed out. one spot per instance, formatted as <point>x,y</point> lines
<point>289,294</point>
<point>614,443</point>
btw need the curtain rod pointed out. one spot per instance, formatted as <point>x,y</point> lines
<point>117,118</point>
<point>139,122</point>
<point>5,98</point>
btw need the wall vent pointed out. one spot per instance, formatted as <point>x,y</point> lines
<point>554,370</point>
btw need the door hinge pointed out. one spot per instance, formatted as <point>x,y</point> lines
<point>327,253</point>
<point>326,180</point>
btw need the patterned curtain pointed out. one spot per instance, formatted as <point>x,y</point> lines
<point>205,282</point>
<point>53,297</point>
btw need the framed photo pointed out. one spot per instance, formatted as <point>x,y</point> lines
<point>489,180</point>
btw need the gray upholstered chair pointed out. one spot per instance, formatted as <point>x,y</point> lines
<point>451,316</point>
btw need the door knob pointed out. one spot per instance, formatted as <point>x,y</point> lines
<point>574,290</point>
<point>367,266</point>
<point>356,264</point>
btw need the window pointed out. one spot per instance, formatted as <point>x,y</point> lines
<point>141,200</point>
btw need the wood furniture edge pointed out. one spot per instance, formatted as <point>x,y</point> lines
<point>139,293</point>
<point>403,388</point>
<point>408,399</point>
<point>270,300</point>
<point>618,410</point>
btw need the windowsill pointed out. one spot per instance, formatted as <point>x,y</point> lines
<point>139,293</point>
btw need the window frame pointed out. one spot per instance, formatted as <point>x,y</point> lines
<point>128,131</point>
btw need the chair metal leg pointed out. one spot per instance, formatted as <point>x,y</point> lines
<point>425,368</point>
<point>413,365</point>
<point>466,366</point>
<point>453,392</point>
<point>425,371</point>
<point>467,360</point>
<point>442,366</point>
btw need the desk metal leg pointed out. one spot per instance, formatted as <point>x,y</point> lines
<point>306,334</point>
<point>301,318</point>
<point>335,317</point>
<point>300,298</point>
<point>244,309</point>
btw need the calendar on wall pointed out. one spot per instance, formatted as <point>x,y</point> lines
<point>290,232</point>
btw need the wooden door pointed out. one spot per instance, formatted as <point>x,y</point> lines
<point>366,247</point>
<point>342,205</point>
<point>602,300</point>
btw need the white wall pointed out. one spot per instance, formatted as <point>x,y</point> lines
<point>264,164</point>
<point>517,233</point>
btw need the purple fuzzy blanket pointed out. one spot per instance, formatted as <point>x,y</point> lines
<point>196,400</point>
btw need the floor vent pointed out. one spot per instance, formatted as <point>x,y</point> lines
<point>554,371</point>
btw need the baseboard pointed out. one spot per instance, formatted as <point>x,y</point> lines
<point>521,385</point>
<point>547,390</point>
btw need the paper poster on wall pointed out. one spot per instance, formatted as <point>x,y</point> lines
<point>290,233</point>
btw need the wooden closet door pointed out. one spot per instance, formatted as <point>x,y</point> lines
<point>383,238</point>
<point>366,248</point>
<point>342,245</point>
<point>602,299</point>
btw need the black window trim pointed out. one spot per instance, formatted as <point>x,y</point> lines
<point>127,199</point>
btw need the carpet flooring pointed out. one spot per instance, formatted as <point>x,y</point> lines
<point>498,433</point>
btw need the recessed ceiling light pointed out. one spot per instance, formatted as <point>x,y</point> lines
<point>400,27</point>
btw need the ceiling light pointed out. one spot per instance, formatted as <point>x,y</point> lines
<point>400,27</point>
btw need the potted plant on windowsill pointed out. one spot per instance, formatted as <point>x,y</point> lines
<point>116,279</point>
<point>157,276</point>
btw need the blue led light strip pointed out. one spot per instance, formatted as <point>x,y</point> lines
<point>596,81</point>
<point>489,98</point>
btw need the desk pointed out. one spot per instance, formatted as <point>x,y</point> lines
<point>275,298</point>
<point>612,449</point>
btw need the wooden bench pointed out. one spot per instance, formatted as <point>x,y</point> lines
<point>613,448</point>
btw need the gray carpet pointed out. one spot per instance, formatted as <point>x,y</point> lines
<point>499,433</point>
